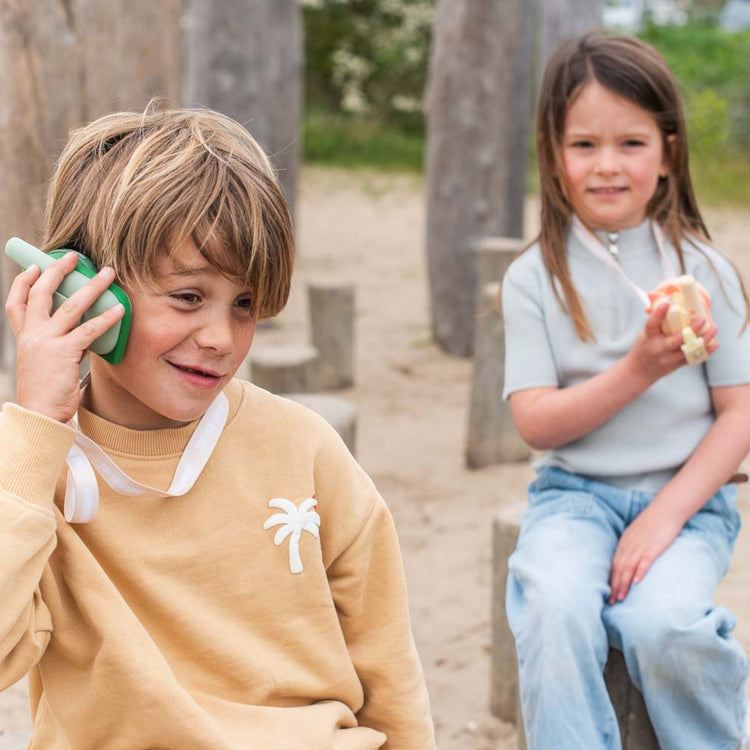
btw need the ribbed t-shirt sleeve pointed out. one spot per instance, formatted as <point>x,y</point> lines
<point>529,360</point>
<point>730,363</point>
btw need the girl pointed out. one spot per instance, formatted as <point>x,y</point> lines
<point>631,522</point>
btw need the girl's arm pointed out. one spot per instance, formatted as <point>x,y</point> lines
<point>715,459</point>
<point>550,417</point>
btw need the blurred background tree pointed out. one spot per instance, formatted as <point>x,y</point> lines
<point>365,76</point>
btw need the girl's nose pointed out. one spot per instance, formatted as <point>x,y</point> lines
<point>607,161</point>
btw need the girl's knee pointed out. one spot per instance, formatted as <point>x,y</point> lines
<point>667,634</point>
<point>555,612</point>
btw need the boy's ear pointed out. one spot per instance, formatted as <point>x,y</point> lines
<point>668,156</point>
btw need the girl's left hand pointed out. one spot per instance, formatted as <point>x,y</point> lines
<point>641,543</point>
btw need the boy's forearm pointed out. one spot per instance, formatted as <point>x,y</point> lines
<point>32,452</point>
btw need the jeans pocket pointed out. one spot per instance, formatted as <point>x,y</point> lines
<point>557,502</point>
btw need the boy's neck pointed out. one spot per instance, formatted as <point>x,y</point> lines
<point>94,400</point>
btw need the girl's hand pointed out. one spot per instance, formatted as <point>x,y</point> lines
<point>50,347</point>
<point>655,354</point>
<point>641,543</point>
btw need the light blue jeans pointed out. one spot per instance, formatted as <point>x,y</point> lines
<point>677,645</point>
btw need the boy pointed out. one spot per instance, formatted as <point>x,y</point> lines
<point>258,602</point>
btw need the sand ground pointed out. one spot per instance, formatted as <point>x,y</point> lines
<point>413,404</point>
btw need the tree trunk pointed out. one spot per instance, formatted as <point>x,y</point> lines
<point>131,52</point>
<point>521,50</point>
<point>473,76</point>
<point>65,62</point>
<point>246,61</point>
<point>565,19</point>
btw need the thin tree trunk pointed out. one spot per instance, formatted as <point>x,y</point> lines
<point>246,61</point>
<point>473,77</point>
<point>65,62</point>
<point>565,19</point>
<point>522,91</point>
<point>38,104</point>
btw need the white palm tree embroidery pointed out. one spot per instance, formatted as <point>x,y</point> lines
<point>293,521</point>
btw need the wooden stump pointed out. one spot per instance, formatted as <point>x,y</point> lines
<point>284,368</point>
<point>504,665</point>
<point>332,331</point>
<point>635,727</point>
<point>494,255</point>
<point>338,412</point>
<point>491,436</point>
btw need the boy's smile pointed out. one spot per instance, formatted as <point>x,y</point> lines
<point>187,340</point>
<point>614,156</point>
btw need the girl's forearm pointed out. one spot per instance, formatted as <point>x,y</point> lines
<point>710,466</point>
<point>548,418</point>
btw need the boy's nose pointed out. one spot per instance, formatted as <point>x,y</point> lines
<point>216,332</point>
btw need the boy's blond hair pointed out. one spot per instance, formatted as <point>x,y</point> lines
<point>130,186</point>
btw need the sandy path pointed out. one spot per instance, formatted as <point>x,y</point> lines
<point>412,404</point>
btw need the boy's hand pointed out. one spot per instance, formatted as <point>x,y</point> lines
<point>641,543</point>
<point>50,347</point>
<point>655,354</point>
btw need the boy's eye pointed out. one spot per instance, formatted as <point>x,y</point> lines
<point>190,298</point>
<point>245,303</point>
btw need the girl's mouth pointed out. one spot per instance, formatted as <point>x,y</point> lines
<point>607,190</point>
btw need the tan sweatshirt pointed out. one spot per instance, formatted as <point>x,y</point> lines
<point>177,623</point>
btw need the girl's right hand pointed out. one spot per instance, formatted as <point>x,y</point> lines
<point>50,346</point>
<point>655,354</point>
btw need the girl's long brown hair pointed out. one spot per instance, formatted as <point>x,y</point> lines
<point>635,71</point>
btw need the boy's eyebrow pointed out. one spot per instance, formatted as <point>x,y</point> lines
<point>186,271</point>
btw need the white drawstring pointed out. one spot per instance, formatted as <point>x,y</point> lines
<point>82,490</point>
<point>594,245</point>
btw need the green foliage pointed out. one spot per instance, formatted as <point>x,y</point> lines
<point>713,69</point>
<point>368,58</point>
<point>705,58</point>
<point>366,72</point>
<point>708,121</point>
<point>354,141</point>
<point>721,178</point>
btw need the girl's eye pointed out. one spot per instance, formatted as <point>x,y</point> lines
<point>633,143</point>
<point>582,144</point>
